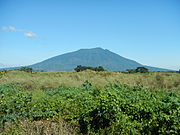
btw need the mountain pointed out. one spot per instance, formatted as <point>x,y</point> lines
<point>4,65</point>
<point>90,57</point>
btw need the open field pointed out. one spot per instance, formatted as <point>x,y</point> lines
<point>65,103</point>
<point>54,79</point>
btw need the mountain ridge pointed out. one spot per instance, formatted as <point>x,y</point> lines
<point>90,57</point>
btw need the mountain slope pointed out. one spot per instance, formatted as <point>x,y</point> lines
<point>89,57</point>
<point>5,65</point>
<point>2,65</point>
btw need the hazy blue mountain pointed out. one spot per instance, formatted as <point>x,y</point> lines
<point>2,65</point>
<point>5,65</point>
<point>89,57</point>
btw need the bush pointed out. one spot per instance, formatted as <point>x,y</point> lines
<point>141,70</point>
<point>26,69</point>
<point>114,109</point>
<point>82,68</point>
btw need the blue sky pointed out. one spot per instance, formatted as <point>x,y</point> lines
<point>147,31</point>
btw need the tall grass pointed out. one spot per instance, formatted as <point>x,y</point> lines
<point>53,79</point>
<point>41,127</point>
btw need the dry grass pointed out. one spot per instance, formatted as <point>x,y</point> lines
<point>53,79</point>
<point>42,127</point>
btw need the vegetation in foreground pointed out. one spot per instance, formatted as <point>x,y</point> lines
<point>114,109</point>
<point>64,103</point>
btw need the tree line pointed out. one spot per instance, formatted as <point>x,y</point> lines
<point>138,70</point>
<point>82,68</point>
<point>99,68</point>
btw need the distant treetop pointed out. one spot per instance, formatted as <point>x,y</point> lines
<point>82,68</point>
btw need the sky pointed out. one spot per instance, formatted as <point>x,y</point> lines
<point>147,31</point>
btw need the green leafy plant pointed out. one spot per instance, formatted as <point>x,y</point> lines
<point>113,109</point>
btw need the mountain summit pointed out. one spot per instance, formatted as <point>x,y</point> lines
<point>89,57</point>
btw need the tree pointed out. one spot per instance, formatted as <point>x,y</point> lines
<point>141,70</point>
<point>26,69</point>
<point>130,70</point>
<point>79,68</point>
<point>100,68</point>
<point>82,68</point>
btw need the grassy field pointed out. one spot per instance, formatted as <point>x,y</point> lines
<point>45,80</point>
<point>88,102</point>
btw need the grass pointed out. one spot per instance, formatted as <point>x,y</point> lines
<point>41,127</point>
<point>53,79</point>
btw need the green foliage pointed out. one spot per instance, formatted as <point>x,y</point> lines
<point>100,68</point>
<point>2,73</point>
<point>82,68</point>
<point>14,103</point>
<point>138,70</point>
<point>141,70</point>
<point>130,70</point>
<point>26,69</point>
<point>114,109</point>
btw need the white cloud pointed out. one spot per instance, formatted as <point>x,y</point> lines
<point>4,28</point>
<point>11,28</point>
<point>30,35</point>
<point>26,33</point>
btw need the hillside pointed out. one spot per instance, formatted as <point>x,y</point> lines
<point>89,57</point>
<point>4,65</point>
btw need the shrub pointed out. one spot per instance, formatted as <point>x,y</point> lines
<point>82,68</point>
<point>114,109</point>
<point>26,69</point>
<point>141,70</point>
